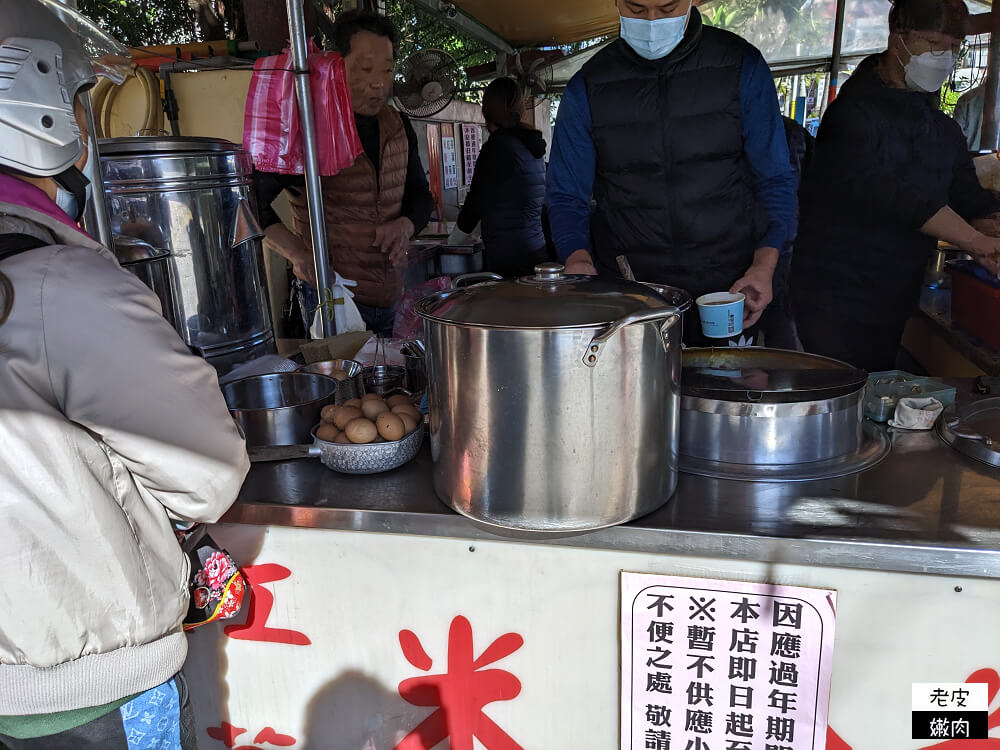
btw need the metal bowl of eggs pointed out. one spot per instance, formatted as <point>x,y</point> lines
<point>369,435</point>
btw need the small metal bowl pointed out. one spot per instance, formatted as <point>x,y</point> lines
<point>352,387</point>
<point>367,458</point>
<point>384,379</point>
<point>278,408</point>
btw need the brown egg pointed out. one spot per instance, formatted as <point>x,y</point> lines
<point>411,410</point>
<point>353,402</point>
<point>409,421</point>
<point>339,375</point>
<point>398,400</point>
<point>327,432</point>
<point>371,397</point>
<point>329,413</point>
<point>361,430</point>
<point>345,415</point>
<point>342,439</point>
<point>373,408</point>
<point>389,426</point>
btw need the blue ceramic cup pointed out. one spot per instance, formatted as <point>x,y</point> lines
<point>721,314</point>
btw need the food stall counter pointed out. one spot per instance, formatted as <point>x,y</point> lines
<point>375,606</point>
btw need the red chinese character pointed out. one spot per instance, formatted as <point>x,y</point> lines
<point>227,734</point>
<point>833,741</point>
<point>461,693</point>
<point>255,628</point>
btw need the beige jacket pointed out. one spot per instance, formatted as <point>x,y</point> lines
<point>107,425</point>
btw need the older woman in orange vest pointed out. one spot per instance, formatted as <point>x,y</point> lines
<point>373,207</point>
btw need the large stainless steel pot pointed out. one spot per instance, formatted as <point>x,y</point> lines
<point>768,407</point>
<point>192,197</point>
<point>553,400</point>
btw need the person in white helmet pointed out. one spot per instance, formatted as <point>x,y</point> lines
<point>110,429</point>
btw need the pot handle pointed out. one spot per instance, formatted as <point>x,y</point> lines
<point>467,279</point>
<point>955,426</point>
<point>670,316</point>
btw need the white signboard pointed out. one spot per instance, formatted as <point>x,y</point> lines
<point>709,664</point>
<point>358,640</point>
<point>472,142</point>
<point>449,162</point>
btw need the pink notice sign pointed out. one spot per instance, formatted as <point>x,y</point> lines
<point>724,665</point>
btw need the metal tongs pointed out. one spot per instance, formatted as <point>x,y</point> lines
<point>625,268</point>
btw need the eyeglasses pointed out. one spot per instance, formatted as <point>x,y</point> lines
<point>959,48</point>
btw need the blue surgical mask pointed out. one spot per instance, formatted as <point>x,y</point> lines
<point>654,39</point>
<point>74,205</point>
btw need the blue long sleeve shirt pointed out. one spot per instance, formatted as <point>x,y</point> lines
<point>573,161</point>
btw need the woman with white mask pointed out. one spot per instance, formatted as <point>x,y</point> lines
<point>890,177</point>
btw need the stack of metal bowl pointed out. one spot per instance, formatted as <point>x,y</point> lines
<point>279,408</point>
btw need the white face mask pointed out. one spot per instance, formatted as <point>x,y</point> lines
<point>654,39</point>
<point>929,70</point>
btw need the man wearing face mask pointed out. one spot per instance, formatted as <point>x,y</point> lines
<point>891,176</point>
<point>373,207</point>
<point>674,131</point>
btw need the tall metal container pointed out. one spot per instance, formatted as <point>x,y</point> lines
<point>554,400</point>
<point>192,197</point>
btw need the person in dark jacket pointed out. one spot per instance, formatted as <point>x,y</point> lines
<point>508,186</point>
<point>891,176</point>
<point>674,131</point>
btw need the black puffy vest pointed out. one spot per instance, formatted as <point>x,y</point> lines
<point>673,186</point>
<point>513,223</point>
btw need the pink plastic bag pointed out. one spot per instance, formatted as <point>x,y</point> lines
<point>271,130</point>
<point>408,324</point>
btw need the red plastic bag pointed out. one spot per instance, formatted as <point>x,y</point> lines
<point>408,324</point>
<point>271,129</point>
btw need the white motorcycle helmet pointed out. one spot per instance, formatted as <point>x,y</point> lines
<point>49,53</point>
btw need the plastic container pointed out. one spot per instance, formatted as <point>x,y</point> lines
<point>975,301</point>
<point>886,388</point>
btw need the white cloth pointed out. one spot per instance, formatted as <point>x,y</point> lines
<point>346,316</point>
<point>110,426</point>
<point>916,413</point>
<point>458,237</point>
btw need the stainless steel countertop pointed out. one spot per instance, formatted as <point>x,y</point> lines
<point>925,509</point>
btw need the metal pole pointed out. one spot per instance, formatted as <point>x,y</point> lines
<point>96,219</point>
<point>991,118</point>
<point>838,43</point>
<point>314,188</point>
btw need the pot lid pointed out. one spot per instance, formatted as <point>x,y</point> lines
<point>162,145</point>
<point>766,375</point>
<point>548,299</point>
<point>133,250</point>
<point>974,430</point>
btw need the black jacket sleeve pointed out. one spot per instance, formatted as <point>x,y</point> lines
<point>493,167</point>
<point>417,199</point>
<point>893,190</point>
<point>269,187</point>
